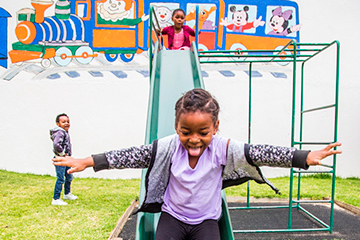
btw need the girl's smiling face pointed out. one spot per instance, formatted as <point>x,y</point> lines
<point>195,130</point>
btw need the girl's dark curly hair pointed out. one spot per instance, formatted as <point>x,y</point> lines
<point>197,100</point>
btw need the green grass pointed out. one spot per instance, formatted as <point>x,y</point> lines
<point>26,212</point>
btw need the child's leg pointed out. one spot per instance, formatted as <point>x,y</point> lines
<point>68,179</point>
<point>208,229</point>
<point>170,228</point>
<point>60,173</point>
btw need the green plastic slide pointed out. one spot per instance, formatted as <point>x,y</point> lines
<point>173,73</point>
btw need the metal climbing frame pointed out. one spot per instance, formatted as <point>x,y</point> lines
<point>295,53</point>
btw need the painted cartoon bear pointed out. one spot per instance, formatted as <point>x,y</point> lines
<point>239,21</point>
<point>279,22</point>
<point>163,15</point>
<point>118,11</point>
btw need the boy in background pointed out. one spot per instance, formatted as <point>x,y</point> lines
<point>62,147</point>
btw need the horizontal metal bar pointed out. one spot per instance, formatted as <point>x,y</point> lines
<point>236,51</point>
<point>260,207</point>
<point>310,171</point>
<point>319,108</point>
<point>299,50</point>
<point>282,230</point>
<point>201,55</point>
<point>310,50</point>
<point>249,61</point>
<point>317,44</point>
<point>242,56</point>
<point>312,201</point>
<point>326,47</point>
<point>313,143</point>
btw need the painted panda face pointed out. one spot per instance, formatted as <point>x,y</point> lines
<point>276,24</point>
<point>239,18</point>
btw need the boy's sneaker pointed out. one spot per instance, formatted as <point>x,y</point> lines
<point>58,202</point>
<point>70,196</point>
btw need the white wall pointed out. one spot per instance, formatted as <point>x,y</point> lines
<point>109,113</point>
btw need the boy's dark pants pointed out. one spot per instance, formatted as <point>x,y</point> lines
<point>62,177</point>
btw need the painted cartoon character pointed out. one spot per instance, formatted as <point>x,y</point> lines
<point>163,15</point>
<point>119,12</point>
<point>279,22</point>
<point>204,23</point>
<point>240,22</point>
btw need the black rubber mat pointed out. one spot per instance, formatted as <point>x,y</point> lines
<point>346,224</point>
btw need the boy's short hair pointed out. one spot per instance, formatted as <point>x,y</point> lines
<point>61,115</point>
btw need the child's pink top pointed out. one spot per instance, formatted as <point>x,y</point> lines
<point>178,40</point>
<point>170,31</point>
<point>194,195</point>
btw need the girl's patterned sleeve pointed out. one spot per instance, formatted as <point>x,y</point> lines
<point>274,156</point>
<point>133,157</point>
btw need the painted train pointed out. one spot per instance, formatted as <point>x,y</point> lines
<point>81,29</point>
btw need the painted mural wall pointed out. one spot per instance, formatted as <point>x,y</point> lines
<point>89,58</point>
<point>81,30</point>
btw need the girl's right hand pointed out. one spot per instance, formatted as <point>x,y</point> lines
<point>76,165</point>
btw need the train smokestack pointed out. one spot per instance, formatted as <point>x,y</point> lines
<point>40,8</point>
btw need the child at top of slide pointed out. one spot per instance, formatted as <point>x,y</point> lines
<point>187,170</point>
<point>178,34</point>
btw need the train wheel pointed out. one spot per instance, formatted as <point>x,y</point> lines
<point>282,55</point>
<point>202,48</point>
<point>45,63</point>
<point>128,57</point>
<point>111,57</point>
<point>83,55</point>
<point>239,46</point>
<point>62,56</point>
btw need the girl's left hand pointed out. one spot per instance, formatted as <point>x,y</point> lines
<point>315,157</point>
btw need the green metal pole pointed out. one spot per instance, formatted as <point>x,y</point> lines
<point>292,132</point>
<point>250,90</point>
<point>150,39</point>
<point>335,131</point>
<point>197,28</point>
<point>301,124</point>
<point>249,131</point>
